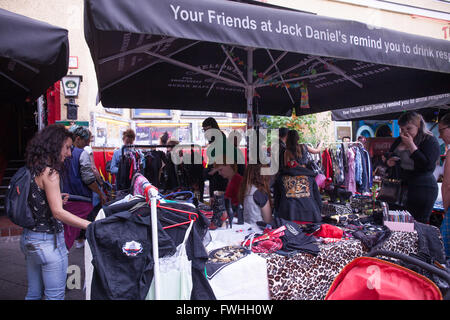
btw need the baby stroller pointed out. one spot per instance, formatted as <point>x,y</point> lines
<point>370,278</point>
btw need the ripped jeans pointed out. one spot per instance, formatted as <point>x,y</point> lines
<point>46,265</point>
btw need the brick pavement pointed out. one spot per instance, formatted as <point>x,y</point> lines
<point>8,229</point>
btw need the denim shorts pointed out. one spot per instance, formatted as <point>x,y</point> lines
<point>46,264</point>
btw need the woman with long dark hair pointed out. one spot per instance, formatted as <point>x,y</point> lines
<point>43,245</point>
<point>413,157</point>
<point>297,153</point>
<point>254,195</point>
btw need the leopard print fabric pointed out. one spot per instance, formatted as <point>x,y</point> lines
<point>307,277</point>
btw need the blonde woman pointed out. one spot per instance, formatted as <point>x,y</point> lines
<point>413,155</point>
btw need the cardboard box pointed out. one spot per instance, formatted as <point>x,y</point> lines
<point>399,226</point>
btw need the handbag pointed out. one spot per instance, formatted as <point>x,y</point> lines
<point>393,191</point>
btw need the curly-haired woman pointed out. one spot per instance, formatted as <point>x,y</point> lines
<point>43,245</point>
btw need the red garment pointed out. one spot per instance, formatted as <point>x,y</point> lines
<point>232,190</point>
<point>327,164</point>
<point>301,222</point>
<point>80,209</point>
<point>268,246</point>
<point>329,231</point>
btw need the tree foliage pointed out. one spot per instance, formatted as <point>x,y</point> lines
<point>308,127</point>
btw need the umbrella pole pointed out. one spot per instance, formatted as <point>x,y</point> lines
<point>249,90</point>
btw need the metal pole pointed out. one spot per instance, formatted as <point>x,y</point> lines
<point>154,217</point>
<point>250,89</point>
<point>40,113</point>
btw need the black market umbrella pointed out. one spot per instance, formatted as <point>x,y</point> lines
<point>33,56</point>
<point>227,56</point>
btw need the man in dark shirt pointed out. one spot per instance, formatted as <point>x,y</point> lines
<point>216,181</point>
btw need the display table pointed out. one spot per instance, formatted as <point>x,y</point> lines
<point>303,276</point>
<point>264,276</point>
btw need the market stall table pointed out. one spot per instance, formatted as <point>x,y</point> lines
<point>303,276</point>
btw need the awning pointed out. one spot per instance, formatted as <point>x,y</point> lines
<point>217,55</point>
<point>33,56</point>
<point>393,109</point>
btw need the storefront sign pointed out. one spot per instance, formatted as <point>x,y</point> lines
<point>151,114</point>
<point>73,62</point>
<point>71,85</point>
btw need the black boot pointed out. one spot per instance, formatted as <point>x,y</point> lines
<point>219,210</point>
<point>230,212</point>
<point>240,214</point>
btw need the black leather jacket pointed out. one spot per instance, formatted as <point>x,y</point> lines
<point>296,195</point>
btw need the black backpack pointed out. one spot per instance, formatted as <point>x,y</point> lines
<point>16,201</point>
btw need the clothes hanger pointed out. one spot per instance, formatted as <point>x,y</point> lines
<point>191,215</point>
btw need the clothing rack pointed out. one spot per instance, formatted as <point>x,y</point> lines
<point>154,146</point>
<point>193,148</point>
<point>152,194</point>
<point>341,142</point>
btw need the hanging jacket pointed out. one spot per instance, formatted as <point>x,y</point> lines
<point>121,246</point>
<point>327,164</point>
<point>364,187</point>
<point>296,195</point>
<point>153,163</point>
<point>338,166</point>
<point>358,166</point>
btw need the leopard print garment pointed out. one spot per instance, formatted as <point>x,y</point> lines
<point>305,277</point>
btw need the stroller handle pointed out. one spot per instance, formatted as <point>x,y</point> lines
<point>442,274</point>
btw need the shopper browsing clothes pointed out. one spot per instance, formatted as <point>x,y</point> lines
<point>298,153</point>
<point>254,195</point>
<point>214,151</point>
<point>128,137</point>
<point>234,180</point>
<point>444,133</point>
<point>412,159</point>
<point>80,182</point>
<point>43,245</point>
<point>133,161</point>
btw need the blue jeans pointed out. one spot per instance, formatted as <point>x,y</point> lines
<point>46,265</point>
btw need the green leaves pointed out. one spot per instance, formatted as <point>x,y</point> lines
<point>306,126</point>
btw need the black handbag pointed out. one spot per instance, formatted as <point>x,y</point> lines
<point>393,191</point>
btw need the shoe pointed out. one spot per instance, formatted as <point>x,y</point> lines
<point>220,215</point>
<point>79,244</point>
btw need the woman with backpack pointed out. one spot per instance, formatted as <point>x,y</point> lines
<point>43,245</point>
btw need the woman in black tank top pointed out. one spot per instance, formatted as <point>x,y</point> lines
<point>43,245</point>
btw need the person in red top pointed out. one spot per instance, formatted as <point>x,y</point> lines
<point>229,172</point>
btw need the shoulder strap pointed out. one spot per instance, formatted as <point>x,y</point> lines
<point>188,231</point>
